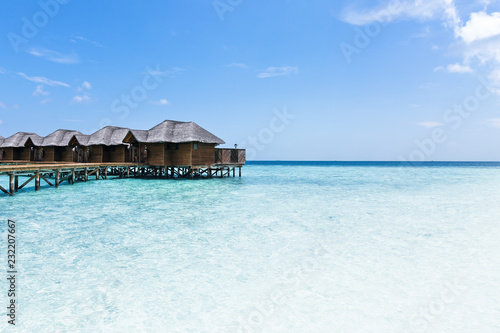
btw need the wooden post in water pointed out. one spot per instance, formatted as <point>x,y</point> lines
<point>11,184</point>
<point>128,172</point>
<point>72,176</point>
<point>86,174</point>
<point>105,173</point>
<point>58,172</point>
<point>239,171</point>
<point>97,174</point>
<point>16,183</point>
<point>37,180</point>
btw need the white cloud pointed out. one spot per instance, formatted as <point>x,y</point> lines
<point>86,85</point>
<point>494,77</point>
<point>85,40</point>
<point>1,121</point>
<point>277,71</point>
<point>3,106</point>
<point>81,99</point>
<point>422,34</point>
<point>82,95</point>
<point>158,72</point>
<point>45,101</point>
<point>2,70</point>
<point>480,26</point>
<point>39,91</point>
<point>412,9</point>
<point>43,80</point>
<point>162,101</point>
<point>494,122</point>
<point>457,68</point>
<point>237,64</point>
<point>54,56</point>
<point>477,40</point>
<point>430,124</point>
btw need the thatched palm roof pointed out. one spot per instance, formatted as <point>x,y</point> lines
<point>80,139</point>
<point>108,136</point>
<point>176,132</point>
<point>139,135</point>
<point>167,131</point>
<point>59,138</point>
<point>19,139</point>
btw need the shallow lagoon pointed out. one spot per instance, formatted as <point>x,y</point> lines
<point>289,247</point>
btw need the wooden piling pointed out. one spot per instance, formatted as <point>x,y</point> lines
<point>71,172</point>
<point>37,180</point>
<point>11,184</point>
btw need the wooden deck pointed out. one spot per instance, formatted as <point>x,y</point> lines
<point>54,174</point>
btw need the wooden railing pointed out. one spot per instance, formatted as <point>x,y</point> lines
<point>230,156</point>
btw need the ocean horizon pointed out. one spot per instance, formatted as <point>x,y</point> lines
<point>291,246</point>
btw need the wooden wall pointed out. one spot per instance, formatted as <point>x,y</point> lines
<point>8,154</point>
<point>48,154</point>
<point>116,154</point>
<point>204,155</point>
<point>66,154</point>
<point>156,154</point>
<point>177,154</point>
<point>21,154</point>
<point>230,156</point>
<point>242,156</point>
<point>95,154</point>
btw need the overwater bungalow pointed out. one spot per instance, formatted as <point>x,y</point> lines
<point>104,146</point>
<point>54,147</point>
<point>168,144</point>
<point>173,143</point>
<point>13,148</point>
<point>171,149</point>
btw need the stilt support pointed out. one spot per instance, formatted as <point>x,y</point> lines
<point>37,180</point>
<point>11,184</point>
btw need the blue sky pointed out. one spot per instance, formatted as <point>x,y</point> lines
<point>288,80</point>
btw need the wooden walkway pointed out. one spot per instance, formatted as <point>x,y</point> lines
<point>56,173</point>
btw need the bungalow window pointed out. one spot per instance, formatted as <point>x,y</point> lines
<point>195,146</point>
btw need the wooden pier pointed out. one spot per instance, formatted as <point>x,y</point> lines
<point>54,174</point>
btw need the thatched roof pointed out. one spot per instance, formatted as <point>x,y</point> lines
<point>176,132</point>
<point>81,139</point>
<point>168,131</point>
<point>108,136</point>
<point>19,139</point>
<point>59,138</point>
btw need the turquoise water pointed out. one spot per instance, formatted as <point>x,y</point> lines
<point>289,247</point>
